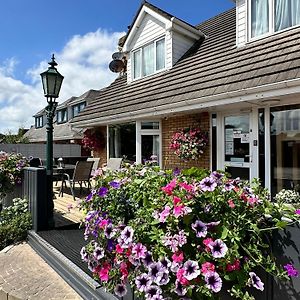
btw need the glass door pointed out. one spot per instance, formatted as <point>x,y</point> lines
<point>236,151</point>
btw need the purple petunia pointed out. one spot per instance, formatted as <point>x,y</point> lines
<point>152,292</point>
<point>84,254</point>
<point>109,231</point>
<point>256,281</point>
<point>148,260</point>
<point>143,282</point>
<point>164,279</point>
<point>291,270</point>
<point>180,290</point>
<point>155,271</point>
<point>115,184</point>
<point>120,290</point>
<point>191,269</point>
<point>125,239</point>
<point>200,228</point>
<point>102,192</point>
<point>218,248</point>
<point>208,184</point>
<point>139,251</point>
<point>98,253</point>
<point>213,281</point>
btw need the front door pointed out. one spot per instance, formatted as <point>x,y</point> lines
<point>236,154</point>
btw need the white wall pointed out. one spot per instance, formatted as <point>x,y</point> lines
<point>241,25</point>
<point>180,45</point>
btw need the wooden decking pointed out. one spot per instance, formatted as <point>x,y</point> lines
<point>66,209</point>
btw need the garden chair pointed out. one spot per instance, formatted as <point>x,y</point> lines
<point>82,174</point>
<point>95,161</point>
<point>114,163</point>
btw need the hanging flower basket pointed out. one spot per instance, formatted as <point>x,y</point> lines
<point>93,140</point>
<point>189,143</point>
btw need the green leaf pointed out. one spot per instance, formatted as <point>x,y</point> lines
<point>224,233</point>
<point>281,224</point>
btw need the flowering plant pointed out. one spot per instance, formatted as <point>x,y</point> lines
<point>188,235</point>
<point>189,143</point>
<point>288,196</point>
<point>93,139</point>
<point>11,166</point>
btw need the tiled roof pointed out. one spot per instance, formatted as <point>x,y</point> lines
<point>216,67</point>
<point>60,132</point>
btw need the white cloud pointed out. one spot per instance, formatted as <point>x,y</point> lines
<point>84,64</point>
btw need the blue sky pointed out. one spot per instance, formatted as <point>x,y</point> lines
<point>82,34</point>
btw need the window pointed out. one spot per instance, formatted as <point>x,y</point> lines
<point>122,141</point>
<point>78,108</point>
<point>269,16</point>
<point>149,59</point>
<point>62,116</point>
<point>39,122</point>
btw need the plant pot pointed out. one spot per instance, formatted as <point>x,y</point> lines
<point>17,192</point>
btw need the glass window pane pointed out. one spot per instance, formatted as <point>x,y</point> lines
<point>75,110</point>
<point>150,148</point>
<point>285,148</point>
<point>237,131</point>
<point>148,60</point>
<point>137,64</point>
<point>150,125</point>
<point>122,141</point>
<point>287,13</point>
<point>160,54</point>
<point>259,17</point>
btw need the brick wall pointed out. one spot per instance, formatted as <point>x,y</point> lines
<point>101,153</point>
<point>171,125</point>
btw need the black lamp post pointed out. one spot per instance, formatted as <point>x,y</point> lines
<point>51,80</point>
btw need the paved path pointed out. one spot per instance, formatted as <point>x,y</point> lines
<point>24,275</point>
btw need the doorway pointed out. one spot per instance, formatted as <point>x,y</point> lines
<point>237,144</point>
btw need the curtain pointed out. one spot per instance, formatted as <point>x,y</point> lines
<point>287,13</point>
<point>259,17</point>
<point>148,59</point>
<point>137,64</point>
<point>160,54</point>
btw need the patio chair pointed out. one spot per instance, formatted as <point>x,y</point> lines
<point>95,161</point>
<point>114,163</point>
<point>82,174</point>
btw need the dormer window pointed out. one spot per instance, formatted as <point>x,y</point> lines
<point>78,108</point>
<point>39,122</point>
<point>149,59</point>
<point>268,16</point>
<point>62,116</point>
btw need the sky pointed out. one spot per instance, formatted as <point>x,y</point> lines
<point>82,34</point>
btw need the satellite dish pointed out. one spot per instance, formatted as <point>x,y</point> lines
<point>116,66</point>
<point>117,55</point>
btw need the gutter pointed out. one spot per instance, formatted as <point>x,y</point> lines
<point>263,92</point>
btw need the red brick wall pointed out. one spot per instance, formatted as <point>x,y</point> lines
<point>171,125</point>
<point>101,153</point>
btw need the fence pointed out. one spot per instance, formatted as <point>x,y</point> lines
<point>39,150</point>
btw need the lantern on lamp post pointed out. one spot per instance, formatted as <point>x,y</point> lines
<point>51,80</point>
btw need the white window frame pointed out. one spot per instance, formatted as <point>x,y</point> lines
<point>140,132</point>
<point>39,122</point>
<point>141,58</point>
<point>271,22</point>
<point>59,112</point>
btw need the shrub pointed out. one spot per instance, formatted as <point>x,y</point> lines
<point>174,235</point>
<point>11,166</point>
<point>15,221</point>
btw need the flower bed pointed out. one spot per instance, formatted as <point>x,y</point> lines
<point>187,234</point>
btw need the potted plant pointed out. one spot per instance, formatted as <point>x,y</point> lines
<point>182,235</point>
<point>189,143</point>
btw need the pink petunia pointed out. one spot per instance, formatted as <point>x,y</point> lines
<point>177,257</point>
<point>103,223</point>
<point>207,267</point>
<point>168,189</point>
<point>176,200</point>
<point>180,277</point>
<point>164,214</point>
<point>119,249</point>
<point>104,272</point>
<point>231,203</point>
<point>297,211</point>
